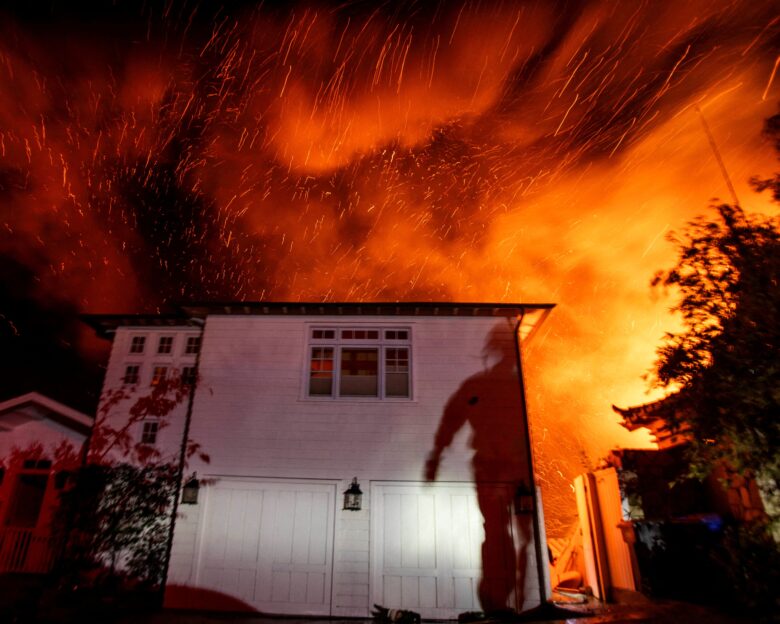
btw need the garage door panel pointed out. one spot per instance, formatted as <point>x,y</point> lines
<point>318,547</point>
<point>410,543</point>
<point>391,593</point>
<point>269,544</point>
<point>391,532</point>
<point>426,547</point>
<point>301,537</point>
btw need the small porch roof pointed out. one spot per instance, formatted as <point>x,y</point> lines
<point>34,406</point>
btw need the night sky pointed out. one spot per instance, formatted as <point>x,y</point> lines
<point>478,151</point>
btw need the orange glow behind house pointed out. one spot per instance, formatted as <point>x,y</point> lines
<point>513,153</point>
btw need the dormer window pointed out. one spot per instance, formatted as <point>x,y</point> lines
<point>359,362</point>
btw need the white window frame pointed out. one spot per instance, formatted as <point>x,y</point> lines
<point>150,421</point>
<point>337,343</point>
<point>142,338</point>
<point>193,378</point>
<point>186,345</point>
<point>138,372</point>
<point>170,345</point>
<point>154,380</point>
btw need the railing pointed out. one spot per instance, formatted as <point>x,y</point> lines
<point>25,551</point>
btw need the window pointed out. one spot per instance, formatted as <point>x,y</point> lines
<point>189,376</point>
<point>359,362</point>
<point>131,374</point>
<point>397,372</point>
<point>192,346</point>
<point>36,464</point>
<point>159,374</point>
<point>149,432</point>
<point>137,344</point>
<point>321,371</point>
<point>165,345</point>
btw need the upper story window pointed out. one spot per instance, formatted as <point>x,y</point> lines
<point>189,375</point>
<point>165,345</point>
<point>149,432</point>
<point>359,362</point>
<point>192,346</point>
<point>132,373</point>
<point>158,375</point>
<point>137,344</point>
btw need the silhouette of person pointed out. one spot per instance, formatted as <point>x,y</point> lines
<point>491,402</point>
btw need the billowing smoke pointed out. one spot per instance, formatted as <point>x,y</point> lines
<point>534,152</point>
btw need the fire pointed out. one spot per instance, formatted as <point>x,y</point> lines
<point>521,152</point>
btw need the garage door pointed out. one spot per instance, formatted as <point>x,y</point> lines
<point>269,545</point>
<point>426,548</point>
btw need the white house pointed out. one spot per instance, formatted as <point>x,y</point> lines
<point>420,404</point>
<point>38,436</point>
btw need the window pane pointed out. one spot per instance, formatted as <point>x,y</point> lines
<point>397,384</point>
<point>159,374</point>
<point>131,374</point>
<point>321,371</point>
<point>193,345</point>
<point>359,372</point>
<point>397,372</point>
<point>149,434</point>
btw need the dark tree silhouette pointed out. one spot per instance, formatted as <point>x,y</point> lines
<point>726,360</point>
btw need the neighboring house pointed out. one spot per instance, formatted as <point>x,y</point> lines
<point>643,524</point>
<point>723,491</point>
<point>38,438</point>
<point>420,406</point>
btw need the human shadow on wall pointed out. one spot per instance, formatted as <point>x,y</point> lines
<point>491,403</point>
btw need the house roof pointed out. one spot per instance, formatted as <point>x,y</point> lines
<point>34,406</point>
<point>657,416</point>
<point>648,413</point>
<point>192,314</point>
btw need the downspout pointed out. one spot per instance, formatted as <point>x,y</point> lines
<point>540,558</point>
<point>182,460</point>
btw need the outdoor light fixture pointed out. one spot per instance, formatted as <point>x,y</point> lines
<point>353,496</point>
<point>189,494</point>
<point>524,500</point>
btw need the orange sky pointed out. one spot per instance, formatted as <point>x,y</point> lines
<point>532,152</point>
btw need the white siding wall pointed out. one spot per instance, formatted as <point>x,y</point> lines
<point>169,438</point>
<point>253,418</point>
<point>45,433</point>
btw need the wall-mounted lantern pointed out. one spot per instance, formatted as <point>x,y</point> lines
<point>189,494</point>
<point>353,497</point>
<point>524,500</point>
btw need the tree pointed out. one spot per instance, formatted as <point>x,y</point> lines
<point>114,520</point>
<point>726,360</point>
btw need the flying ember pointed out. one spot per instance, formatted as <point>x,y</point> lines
<point>471,151</point>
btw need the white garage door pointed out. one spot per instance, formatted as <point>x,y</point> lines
<point>426,548</point>
<point>269,544</point>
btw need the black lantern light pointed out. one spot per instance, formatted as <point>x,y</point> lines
<point>189,494</point>
<point>524,500</point>
<point>353,496</point>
